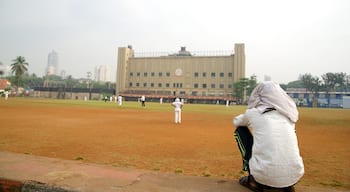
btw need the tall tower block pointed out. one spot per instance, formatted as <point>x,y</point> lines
<point>124,54</point>
<point>239,62</point>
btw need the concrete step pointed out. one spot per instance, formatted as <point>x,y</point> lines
<point>20,172</point>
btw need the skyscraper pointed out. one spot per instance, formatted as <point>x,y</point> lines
<point>103,73</point>
<point>52,63</point>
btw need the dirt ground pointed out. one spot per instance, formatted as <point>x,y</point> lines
<point>203,145</point>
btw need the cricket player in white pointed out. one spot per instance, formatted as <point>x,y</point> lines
<point>178,105</point>
<point>120,100</point>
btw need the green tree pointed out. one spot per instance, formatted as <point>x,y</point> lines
<point>31,81</point>
<point>312,84</point>
<point>19,68</point>
<point>239,89</point>
<point>244,87</point>
<point>252,82</point>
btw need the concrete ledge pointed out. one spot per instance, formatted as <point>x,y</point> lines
<point>19,172</point>
<point>7,185</point>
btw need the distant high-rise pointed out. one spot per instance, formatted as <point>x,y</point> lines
<point>103,73</point>
<point>52,64</point>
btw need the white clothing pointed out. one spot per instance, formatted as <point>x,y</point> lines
<point>178,105</point>
<point>6,95</point>
<point>275,159</point>
<point>120,100</point>
<point>270,95</point>
<point>178,116</point>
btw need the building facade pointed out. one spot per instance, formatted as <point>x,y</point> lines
<point>52,63</point>
<point>183,74</point>
<point>103,73</point>
<point>305,98</point>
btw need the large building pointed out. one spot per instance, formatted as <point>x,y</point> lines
<point>52,63</point>
<point>103,73</point>
<point>189,75</point>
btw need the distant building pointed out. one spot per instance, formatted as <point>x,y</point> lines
<point>63,74</point>
<point>4,83</point>
<point>103,73</point>
<point>305,98</point>
<point>189,75</point>
<point>5,70</point>
<point>346,102</point>
<point>52,64</point>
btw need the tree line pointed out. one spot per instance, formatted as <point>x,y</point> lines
<point>328,82</point>
<point>21,78</point>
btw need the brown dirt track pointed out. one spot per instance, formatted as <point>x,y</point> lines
<point>139,138</point>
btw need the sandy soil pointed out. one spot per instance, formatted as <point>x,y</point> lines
<point>202,145</point>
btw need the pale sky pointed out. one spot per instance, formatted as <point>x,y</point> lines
<point>283,39</point>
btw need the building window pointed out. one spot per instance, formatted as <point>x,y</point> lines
<point>130,84</point>
<point>137,84</point>
<point>212,74</point>
<point>204,86</point>
<point>131,74</point>
<point>138,74</point>
<point>212,86</point>
<point>222,86</point>
<point>145,74</point>
<point>152,74</point>
<point>144,84</point>
<point>167,85</point>
<point>168,74</point>
<point>230,75</point>
<point>204,74</point>
<point>160,74</point>
<point>195,85</point>
<point>222,74</point>
<point>159,85</point>
<point>230,86</point>
<point>152,84</point>
<point>196,74</point>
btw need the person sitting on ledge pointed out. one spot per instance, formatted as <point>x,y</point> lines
<point>267,140</point>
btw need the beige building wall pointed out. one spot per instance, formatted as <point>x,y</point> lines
<point>184,76</point>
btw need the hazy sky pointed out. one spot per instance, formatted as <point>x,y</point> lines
<point>283,39</point>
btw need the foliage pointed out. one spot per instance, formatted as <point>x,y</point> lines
<point>295,84</point>
<point>334,81</point>
<point>328,82</point>
<point>19,68</point>
<point>244,87</point>
<point>311,83</point>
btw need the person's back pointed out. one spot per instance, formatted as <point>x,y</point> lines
<point>275,157</point>
<point>274,160</point>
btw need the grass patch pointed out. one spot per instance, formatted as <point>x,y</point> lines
<point>332,183</point>
<point>79,158</point>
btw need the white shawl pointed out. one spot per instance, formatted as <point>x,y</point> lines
<point>270,95</point>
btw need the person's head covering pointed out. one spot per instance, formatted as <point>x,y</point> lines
<point>270,95</point>
<point>177,100</point>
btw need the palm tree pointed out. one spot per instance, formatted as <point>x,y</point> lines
<point>19,67</point>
